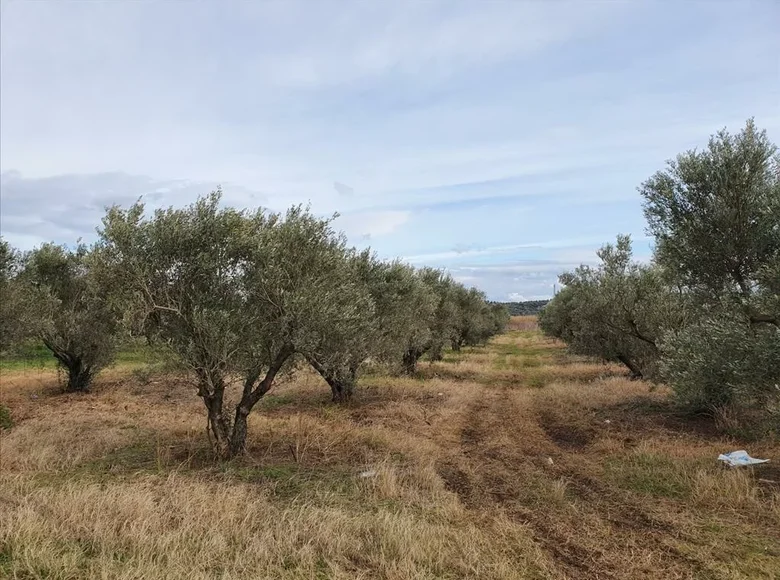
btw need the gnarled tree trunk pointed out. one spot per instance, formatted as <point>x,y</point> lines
<point>211,389</point>
<point>636,372</point>
<point>410,359</point>
<point>342,385</point>
<point>230,435</point>
<point>80,374</point>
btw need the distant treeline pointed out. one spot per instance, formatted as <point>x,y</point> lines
<point>524,308</point>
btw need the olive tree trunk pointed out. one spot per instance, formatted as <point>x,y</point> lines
<point>410,359</point>
<point>636,372</point>
<point>80,374</point>
<point>230,433</point>
<point>342,384</point>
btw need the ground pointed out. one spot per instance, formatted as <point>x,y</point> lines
<point>515,460</point>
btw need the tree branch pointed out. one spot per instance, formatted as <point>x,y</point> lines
<point>264,386</point>
<point>764,319</point>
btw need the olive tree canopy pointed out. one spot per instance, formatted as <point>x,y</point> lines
<point>235,295</point>
<point>18,313</point>
<point>618,311</point>
<point>73,316</point>
<point>715,215</point>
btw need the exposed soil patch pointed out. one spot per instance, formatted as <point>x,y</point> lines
<point>649,415</point>
<point>568,436</point>
<point>455,480</point>
<point>598,532</point>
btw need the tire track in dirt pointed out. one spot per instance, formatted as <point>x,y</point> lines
<point>499,465</point>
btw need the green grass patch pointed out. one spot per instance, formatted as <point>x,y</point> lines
<point>34,355</point>
<point>501,362</point>
<point>510,349</point>
<point>6,421</point>
<point>526,334</point>
<point>524,362</point>
<point>138,354</point>
<point>6,558</point>
<point>651,474</point>
<point>453,356</point>
<point>536,380</point>
<point>271,402</point>
<point>28,356</point>
<point>140,455</point>
<point>287,481</point>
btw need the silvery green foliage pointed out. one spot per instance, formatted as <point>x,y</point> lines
<point>236,295</point>
<point>476,320</point>
<point>617,311</point>
<point>716,218</point>
<point>445,318</point>
<point>406,310</point>
<point>723,361</point>
<point>472,324</point>
<point>24,307</point>
<point>715,215</point>
<point>339,354</point>
<point>74,318</point>
<point>17,313</point>
<point>499,318</point>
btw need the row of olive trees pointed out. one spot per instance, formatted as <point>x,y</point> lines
<point>704,315</point>
<point>235,297</point>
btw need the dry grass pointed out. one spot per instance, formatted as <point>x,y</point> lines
<point>509,461</point>
<point>522,323</point>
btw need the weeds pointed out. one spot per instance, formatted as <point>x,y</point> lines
<point>6,422</point>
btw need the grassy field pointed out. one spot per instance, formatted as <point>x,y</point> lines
<point>511,461</point>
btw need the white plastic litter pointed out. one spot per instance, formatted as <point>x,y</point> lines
<point>369,473</point>
<point>739,458</point>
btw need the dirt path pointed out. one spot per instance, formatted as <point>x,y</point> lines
<point>590,531</point>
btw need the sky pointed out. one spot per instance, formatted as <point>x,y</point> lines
<point>501,140</point>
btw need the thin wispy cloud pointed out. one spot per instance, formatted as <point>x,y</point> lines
<point>502,140</point>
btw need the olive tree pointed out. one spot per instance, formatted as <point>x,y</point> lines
<point>475,319</point>
<point>715,215</point>
<point>442,324</point>
<point>341,350</point>
<point>234,295</point>
<point>19,312</point>
<point>73,317</point>
<point>618,311</point>
<point>499,317</point>
<point>406,308</point>
<point>399,322</point>
<point>557,318</point>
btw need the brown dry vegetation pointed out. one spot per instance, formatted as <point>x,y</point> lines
<point>510,461</point>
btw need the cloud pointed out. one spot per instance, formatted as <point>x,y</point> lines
<point>505,137</point>
<point>343,189</point>
<point>370,225</point>
<point>517,297</point>
<point>67,207</point>
<point>568,246</point>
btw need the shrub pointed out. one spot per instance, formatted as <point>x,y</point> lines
<point>724,361</point>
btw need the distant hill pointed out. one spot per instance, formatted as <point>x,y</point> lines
<point>527,307</point>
